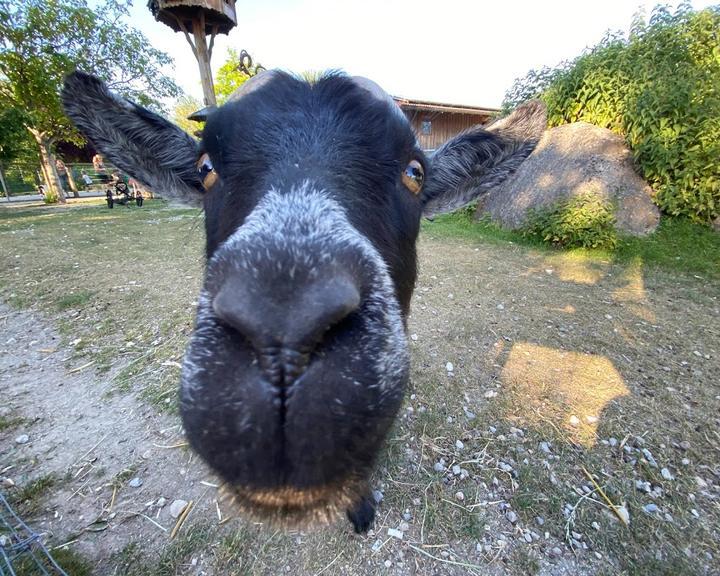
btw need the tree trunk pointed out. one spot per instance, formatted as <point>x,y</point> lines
<point>52,180</point>
<point>71,181</point>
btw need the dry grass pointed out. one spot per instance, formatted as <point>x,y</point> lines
<point>598,360</point>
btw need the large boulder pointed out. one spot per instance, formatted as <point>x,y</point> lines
<point>569,161</point>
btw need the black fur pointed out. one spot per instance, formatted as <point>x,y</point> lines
<point>298,362</point>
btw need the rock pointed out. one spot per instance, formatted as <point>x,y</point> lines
<point>413,337</point>
<point>574,420</point>
<point>556,552</point>
<point>665,473</point>
<point>459,496</point>
<point>22,439</point>
<point>459,445</point>
<point>685,445</point>
<point>545,447</point>
<point>456,469</point>
<point>512,517</point>
<point>449,367</point>
<point>527,537</point>
<point>569,161</point>
<point>438,467</point>
<point>596,526</point>
<point>650,508</point>
<point>161,502</point>
<point>404,526</point>
<point>177,507</point>
<point>649,457</point>
<point>135,483</point>
<point>613,442</point>
<point>378,496</point>
<point>540,520</point>
<point>395,533</point>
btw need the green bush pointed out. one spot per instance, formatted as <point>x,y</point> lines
<point>584,221</point>
<point>660,89</point>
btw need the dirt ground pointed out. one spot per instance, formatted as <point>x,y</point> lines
<point>549,393</point>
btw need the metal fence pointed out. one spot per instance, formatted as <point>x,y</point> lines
<point>23,179</point>
<point>21,549</point>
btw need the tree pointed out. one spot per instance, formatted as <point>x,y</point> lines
<point>237,69</point>
<point>14,140</point>
<point>184,106</point>
<point>43,40</point>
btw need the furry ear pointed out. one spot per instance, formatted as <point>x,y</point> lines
<point>481,158</point>
<point>139,142</point>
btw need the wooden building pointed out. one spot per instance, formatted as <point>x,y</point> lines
<point>435,123</point>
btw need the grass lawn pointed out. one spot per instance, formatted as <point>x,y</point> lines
<point>583,384</point>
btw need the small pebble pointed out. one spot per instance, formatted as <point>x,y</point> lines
<point>595,525</point>
<point>685,462</point>
<point>695,513</point>
<point>613,442</point>
<point>545,447</point>
<point>577,535</point>
<point>459,496</point>
<point>528,537</point>
<point>404,526</point>
<point>414,337</point>
<point>650,508</point>
<point>665,473</point>
<point>449,367</point>
<point>161,502</point>
<point>135,483</point>
<point>439,467</point>
<point>456,469</point>
<point>177,507</point>
<point>22,439</point>
<point>685,445</point>
<point>387,563</point>
<point>591,419</point>
<point>459,445</point>
<point>377,496</point>
<point>512,517</point>
<point>395,533</point>
<point>540,520</point>
<point>574,420</point>
<point>557,552</point>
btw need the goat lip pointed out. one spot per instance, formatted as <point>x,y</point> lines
<point>289,507</point>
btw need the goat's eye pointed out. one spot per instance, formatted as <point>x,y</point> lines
<point>413,177</point>
<point>207,173</point>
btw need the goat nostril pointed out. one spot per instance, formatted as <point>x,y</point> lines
<point>293,316</point>
<point>282,366</point>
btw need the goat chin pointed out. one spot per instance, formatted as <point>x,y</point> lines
<point>294,508</point>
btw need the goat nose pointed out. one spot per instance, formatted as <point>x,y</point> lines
<point>284,314</point>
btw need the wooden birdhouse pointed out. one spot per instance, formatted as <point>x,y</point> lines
<point>218,15</point>
<point>198,19</point>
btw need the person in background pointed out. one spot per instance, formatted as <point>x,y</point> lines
<point>99,166</point>
<point>62,173</point>
<point>86,179</point>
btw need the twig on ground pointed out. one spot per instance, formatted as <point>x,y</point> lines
<point>181,519</point>
<point>331,563</point>
<point>80,368</point>
<point>89,451</point>
<point>446,561</point>
<point>602,493</point>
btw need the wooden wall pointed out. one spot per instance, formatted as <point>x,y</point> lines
<point>443,125</point>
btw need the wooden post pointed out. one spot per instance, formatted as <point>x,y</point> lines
<point>203,58</point>
<point>4,186</point>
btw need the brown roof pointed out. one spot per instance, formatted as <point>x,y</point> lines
<point>408,104</point>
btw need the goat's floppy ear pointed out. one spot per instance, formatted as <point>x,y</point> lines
<point>139,142</point>
<point>479,159</point>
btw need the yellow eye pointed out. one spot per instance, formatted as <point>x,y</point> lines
<point>413,177</point>
<point>207,173</point>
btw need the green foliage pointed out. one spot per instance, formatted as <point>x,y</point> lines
<point>43,40</point>
<point>660,88</point>
<point>184,106</point>
<point>229,77</point>
<point>584,221</point>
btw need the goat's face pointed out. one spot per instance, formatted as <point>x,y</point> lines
<point>314,194</point>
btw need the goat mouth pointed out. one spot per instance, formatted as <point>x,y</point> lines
<point>288,507</point>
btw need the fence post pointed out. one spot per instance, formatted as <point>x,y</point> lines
<point>4,186</point>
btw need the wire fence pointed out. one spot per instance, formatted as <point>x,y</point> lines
<point>22,551</point>
<point>24,179</point>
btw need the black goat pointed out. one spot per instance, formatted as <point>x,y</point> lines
<point>313,194</point>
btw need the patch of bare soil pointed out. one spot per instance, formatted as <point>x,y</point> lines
<point>97,465</point>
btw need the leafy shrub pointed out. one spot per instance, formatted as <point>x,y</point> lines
<point>660,88</point>
<point>584,221</point>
